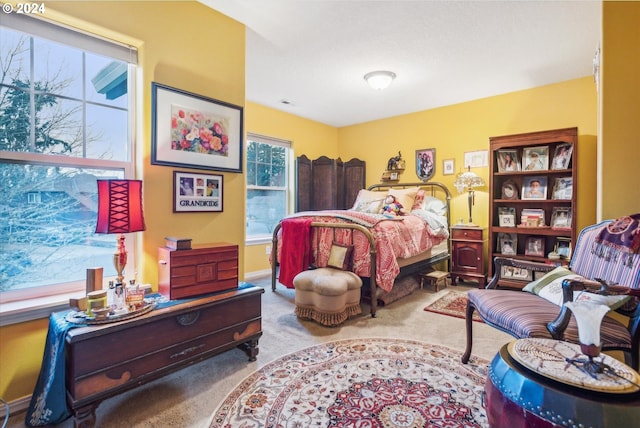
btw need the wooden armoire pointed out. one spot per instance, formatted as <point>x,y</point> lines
<point>328,184</point>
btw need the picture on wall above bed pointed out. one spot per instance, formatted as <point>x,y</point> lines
<point>193,131</point>
<point>425,163</point>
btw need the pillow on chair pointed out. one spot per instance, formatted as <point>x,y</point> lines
<point>549,287</point>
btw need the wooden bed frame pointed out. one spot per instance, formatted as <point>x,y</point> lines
<point>432,188</point>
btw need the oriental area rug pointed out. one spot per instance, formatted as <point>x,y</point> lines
<point>360,383</point>
<point>454,304</point>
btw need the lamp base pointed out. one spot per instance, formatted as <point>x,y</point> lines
<point>120,258</point>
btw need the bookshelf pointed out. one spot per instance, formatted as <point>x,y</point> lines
<point>532,198</point>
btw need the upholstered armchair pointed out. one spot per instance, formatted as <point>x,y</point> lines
<point>608,274</point>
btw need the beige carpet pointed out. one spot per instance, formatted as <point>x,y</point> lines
<point>189,397</point>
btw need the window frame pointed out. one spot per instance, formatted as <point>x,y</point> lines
<point>38,302</point>
<point>259,240</point>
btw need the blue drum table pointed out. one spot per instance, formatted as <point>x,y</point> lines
<point>531,384</point>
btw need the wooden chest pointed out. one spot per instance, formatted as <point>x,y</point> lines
<point>105,360</point>
<point>201,270</point>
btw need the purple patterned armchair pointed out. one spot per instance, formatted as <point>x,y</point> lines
<point>523,314</point>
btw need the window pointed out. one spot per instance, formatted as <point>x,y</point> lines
<point>267,185</point>
<point>65,121</point>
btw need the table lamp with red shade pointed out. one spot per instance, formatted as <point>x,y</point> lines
<point>120,211</point>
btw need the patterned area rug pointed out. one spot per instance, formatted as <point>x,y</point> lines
<point>360,382</point>
<point>454,304</point>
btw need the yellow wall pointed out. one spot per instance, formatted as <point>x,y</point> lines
<point>620,129</point>
<point>307,137</point>
<point>456,129</point>
<point>184,45</point>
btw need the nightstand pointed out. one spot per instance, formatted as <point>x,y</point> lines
<point>467,254</point>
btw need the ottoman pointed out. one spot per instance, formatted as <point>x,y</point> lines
<point>327,296</point>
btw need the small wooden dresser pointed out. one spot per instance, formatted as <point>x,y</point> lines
<point>203,269</point>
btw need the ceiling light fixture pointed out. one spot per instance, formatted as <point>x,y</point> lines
<point>379,79</point>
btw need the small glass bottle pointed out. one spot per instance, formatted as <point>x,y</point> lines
<point>111,295</point>
<point>119,297</point>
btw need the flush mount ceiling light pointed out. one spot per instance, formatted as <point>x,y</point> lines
<point>379,79</point>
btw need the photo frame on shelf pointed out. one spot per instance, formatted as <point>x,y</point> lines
<point>515,273</point>
<point>193,131</point>
<point>507,243</point>
<point>563,247</point>
<point>393,176</point>
<point>448,166</point>
<point>507,160</point>
<point>425,163</point>
<point>535,158</point>
<point>534,188</point>
<point>506,216</point>
<point>561,218</point>
<point>562,156</point>
<point>509,190</point>
<point>196,192</point>
<point>534,246</point>
<point>563,188</point>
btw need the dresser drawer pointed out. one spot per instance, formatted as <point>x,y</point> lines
<point>466,234</point>
<point>95,354</point>
<point>133,371</point>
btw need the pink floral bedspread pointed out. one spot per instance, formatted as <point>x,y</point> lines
<point>394,239</point>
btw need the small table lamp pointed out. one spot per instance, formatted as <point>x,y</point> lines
<point>468,181</point>
<point>120,211</point>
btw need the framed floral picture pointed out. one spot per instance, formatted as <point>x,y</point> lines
<point>189,130</point>
<point>196,192</point>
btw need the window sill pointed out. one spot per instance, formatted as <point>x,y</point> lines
<point>258,240</point>
<point>33,309</point>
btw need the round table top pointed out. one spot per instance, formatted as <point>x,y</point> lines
<point>550,358</point>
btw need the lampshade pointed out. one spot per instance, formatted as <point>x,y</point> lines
<point>467,181</point>
<point>120,206</point>
<point>120,211</point>
<point>379,79</point>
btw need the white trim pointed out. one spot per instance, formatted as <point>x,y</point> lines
<point>50,30</point>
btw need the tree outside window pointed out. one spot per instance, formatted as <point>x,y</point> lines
<point>267,185</point>
<point>64,123</point>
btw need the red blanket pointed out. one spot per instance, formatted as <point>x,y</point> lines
<point>296,233</point>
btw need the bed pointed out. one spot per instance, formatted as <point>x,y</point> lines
<point>382,245</point>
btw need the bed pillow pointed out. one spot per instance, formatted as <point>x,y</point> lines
<point>419,199</point>
<point>549,287</point>
<point>368,201</point>
<point>434,205</point>
<point>340,256</point>
<point>405,196</point>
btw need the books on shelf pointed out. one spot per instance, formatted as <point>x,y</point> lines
<point>561,218</point>
<point>532,217</point>
<point>563,188</point>
<point>507,216</point>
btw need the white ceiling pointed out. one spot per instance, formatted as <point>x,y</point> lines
<point>314,53</point>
